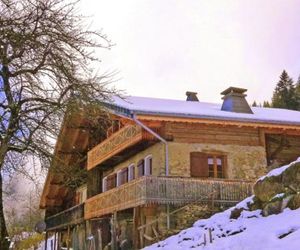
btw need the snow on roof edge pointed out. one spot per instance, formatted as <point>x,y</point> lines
<point>184,109</point>
<point>217,117</point>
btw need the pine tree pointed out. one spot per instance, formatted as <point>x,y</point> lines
<point>284,93</point>
<point>254,104</point>
<point>266,104</point>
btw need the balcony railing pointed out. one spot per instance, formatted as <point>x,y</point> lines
<point>166,190</point>
<point>125,137</point>
<point>71,216</point>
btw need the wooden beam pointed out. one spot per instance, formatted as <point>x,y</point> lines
<point>222,122</point>
<point>262,137</point>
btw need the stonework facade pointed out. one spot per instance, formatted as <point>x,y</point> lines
<point>243,162</point>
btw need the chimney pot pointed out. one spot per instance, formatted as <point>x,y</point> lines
<point>191,96</point>
<point>235,101</point>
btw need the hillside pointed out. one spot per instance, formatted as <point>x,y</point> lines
<point>268,220</point>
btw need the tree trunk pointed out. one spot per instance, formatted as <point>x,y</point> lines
<point>4,244</point>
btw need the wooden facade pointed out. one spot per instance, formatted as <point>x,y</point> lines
<point>209,160</point>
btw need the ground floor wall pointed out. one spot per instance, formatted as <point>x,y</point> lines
<point>141,226</point>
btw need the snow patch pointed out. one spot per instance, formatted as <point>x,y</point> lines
<point>250,231</point>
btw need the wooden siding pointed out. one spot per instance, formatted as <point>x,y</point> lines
<point>199,133</point>
<point>165,190</point>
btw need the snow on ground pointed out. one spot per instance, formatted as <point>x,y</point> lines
<point>250,231</point>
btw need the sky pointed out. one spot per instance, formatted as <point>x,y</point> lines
<point>164,48</point>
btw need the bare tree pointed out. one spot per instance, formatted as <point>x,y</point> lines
<point>45,55</point>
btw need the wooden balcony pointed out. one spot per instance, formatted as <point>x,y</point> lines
<point>71,216</point>
<point>166,190</point>
<point>119,141</point>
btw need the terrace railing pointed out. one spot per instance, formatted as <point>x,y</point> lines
<point>71,216</point>
<point>167,190</point>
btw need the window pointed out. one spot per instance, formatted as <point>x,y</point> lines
<point>144,166</point>
<point>148,165</point>
<point>140,168</point>
<point>122,176</point>
<point>131,174</point>
<point>207,165</point>
<point>104,184</point>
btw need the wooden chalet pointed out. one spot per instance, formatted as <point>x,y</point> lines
<point>157,156</point>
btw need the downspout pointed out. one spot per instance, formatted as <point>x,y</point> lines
<point>159,138</point>
<point>166,156</point>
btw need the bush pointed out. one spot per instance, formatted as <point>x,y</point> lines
<point>32,241</point>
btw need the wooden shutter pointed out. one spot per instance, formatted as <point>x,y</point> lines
<point>111,181</point>
<point>77,198</point>
<point>94,181</point>
<point>124,175</point>
<point>140,167</point>
<point>199,164</point>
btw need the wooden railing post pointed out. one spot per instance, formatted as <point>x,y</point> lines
<point>114,231</point>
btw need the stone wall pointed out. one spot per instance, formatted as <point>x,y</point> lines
<point>243,162</point>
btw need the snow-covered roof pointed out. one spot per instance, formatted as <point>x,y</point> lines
<point>179,108</point>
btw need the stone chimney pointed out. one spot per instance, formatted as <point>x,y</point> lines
<point>235,101</point>
<point>191,96</point>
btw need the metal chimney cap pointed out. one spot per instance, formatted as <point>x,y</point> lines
<point>192,96</point>
<point>235,101</point>
<point>233,90</point>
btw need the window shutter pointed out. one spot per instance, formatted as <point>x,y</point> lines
<point>199,164</point>
<point>77,198</point>
<point>123,176</point>
<point>140,166</point>
<point>111,181</point>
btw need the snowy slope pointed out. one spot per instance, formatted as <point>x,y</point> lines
<point>249,232</point>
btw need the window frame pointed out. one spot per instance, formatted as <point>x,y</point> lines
<point>215,172</point>
<point>120,178</point>
<point>148,165</point>
<point>131,172</point>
